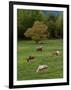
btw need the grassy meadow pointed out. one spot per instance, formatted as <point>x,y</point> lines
<point>27,70</point>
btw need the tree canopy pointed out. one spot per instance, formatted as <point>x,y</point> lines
<point>28,19</point>
<point>37,32</point>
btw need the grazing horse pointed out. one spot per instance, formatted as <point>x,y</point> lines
<point>42,68</point>
<point>30,58</point>
<point>40,48</point>
<point>57,53</point>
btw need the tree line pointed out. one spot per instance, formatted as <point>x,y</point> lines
<point>27,19</point>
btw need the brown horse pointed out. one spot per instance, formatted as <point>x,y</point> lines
<point>30,58</point>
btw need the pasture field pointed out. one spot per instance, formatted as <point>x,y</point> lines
<point>27,70</point>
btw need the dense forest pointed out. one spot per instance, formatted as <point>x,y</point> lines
<point>52,19</point>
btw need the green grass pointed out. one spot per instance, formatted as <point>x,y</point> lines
<point>27,70</point>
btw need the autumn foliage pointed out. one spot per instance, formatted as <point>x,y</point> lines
<point>37,32</point>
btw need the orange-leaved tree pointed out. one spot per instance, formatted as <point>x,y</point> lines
<point>37,32</point>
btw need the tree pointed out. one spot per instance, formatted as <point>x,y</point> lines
<point>50,21</point>
<point>59,26</point>
<point>25,19</point>
<point>54,20</point>
<point>37,32</point>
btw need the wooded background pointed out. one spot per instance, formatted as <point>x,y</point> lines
<point>52,19</point>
